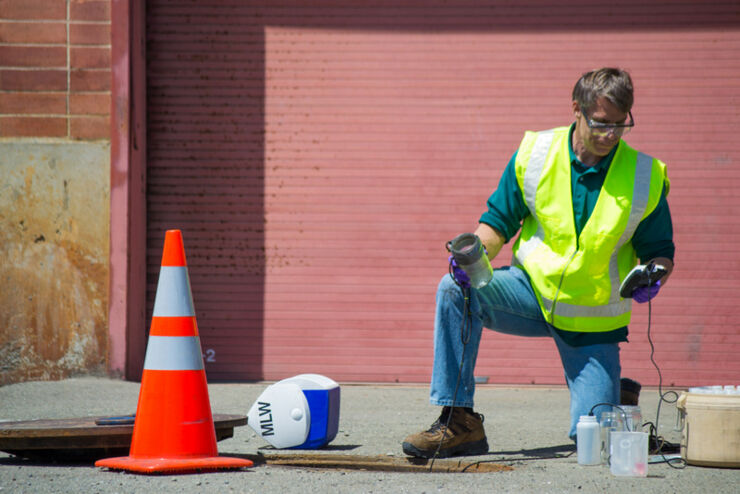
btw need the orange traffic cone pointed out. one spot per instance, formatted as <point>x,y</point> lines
<point>173,430</point>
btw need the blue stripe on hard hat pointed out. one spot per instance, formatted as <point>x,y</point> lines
<point>173,353</point>
<point>173,298</point>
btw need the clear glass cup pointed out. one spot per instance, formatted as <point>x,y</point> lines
<point>610,422</point>
<point>632,418</point>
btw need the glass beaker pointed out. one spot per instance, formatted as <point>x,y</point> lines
<point>632,418</point>
<point>610,422</point>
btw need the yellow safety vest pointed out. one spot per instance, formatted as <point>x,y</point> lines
<point>576,278</point>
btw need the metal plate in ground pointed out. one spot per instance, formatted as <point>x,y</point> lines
<point>80,439</point>
<point>378,463</point>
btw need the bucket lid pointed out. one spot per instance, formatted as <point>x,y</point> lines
<point>716,390</point>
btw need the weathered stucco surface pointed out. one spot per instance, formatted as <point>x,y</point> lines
<point>54,223</point>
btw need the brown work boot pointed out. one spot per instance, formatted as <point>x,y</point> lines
<point>465,436</point>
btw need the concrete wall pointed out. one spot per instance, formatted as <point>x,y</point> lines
<point>55,91</point>
<point>53,259</point>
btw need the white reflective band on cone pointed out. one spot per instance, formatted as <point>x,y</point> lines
<point>173,353</point>
<point>173,298</point>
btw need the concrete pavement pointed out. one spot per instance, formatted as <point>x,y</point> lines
<point>526,428</point>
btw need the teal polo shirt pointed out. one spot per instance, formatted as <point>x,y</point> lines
<point>653,236</point>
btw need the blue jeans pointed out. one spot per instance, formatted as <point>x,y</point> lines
<point>508,305</point>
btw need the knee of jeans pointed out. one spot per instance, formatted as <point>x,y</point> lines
<point>447,284</point>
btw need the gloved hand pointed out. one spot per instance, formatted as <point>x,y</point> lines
<point>460,276</point>
<point>645,293</point>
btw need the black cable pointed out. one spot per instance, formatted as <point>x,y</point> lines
<point>624,414</point>
<point>464,338</point>
<point>660,441</point>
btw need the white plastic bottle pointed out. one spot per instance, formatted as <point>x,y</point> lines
<point>588,441</point>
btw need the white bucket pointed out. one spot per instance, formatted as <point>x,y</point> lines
<point>711,426</point>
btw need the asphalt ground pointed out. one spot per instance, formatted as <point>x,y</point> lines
<point>526,429</point>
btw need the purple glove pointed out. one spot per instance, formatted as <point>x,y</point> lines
<point>645,293</point>
<point>460,276</point>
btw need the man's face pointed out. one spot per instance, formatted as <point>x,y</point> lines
<point>602,111</point>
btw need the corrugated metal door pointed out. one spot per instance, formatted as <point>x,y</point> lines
<point>317,158</point>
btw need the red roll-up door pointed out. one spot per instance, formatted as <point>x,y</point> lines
<point>317,158</point>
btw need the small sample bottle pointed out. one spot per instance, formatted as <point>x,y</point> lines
<point>588,441</point>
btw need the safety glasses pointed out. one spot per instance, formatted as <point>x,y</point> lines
<point>603,129</point>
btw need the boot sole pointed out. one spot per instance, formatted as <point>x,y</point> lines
<point>465,449</point>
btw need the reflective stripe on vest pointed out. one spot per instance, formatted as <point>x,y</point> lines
<point>173,298</point>
<point>532,176</point>
<point>531,181</point>
<point>173,353</point>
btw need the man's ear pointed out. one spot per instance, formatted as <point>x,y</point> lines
<point>576,109</point>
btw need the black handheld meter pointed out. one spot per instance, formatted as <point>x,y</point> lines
<point>641,275</point>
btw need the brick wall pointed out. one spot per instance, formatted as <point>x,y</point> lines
<point>55,76</point>
<point>55,100</point>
